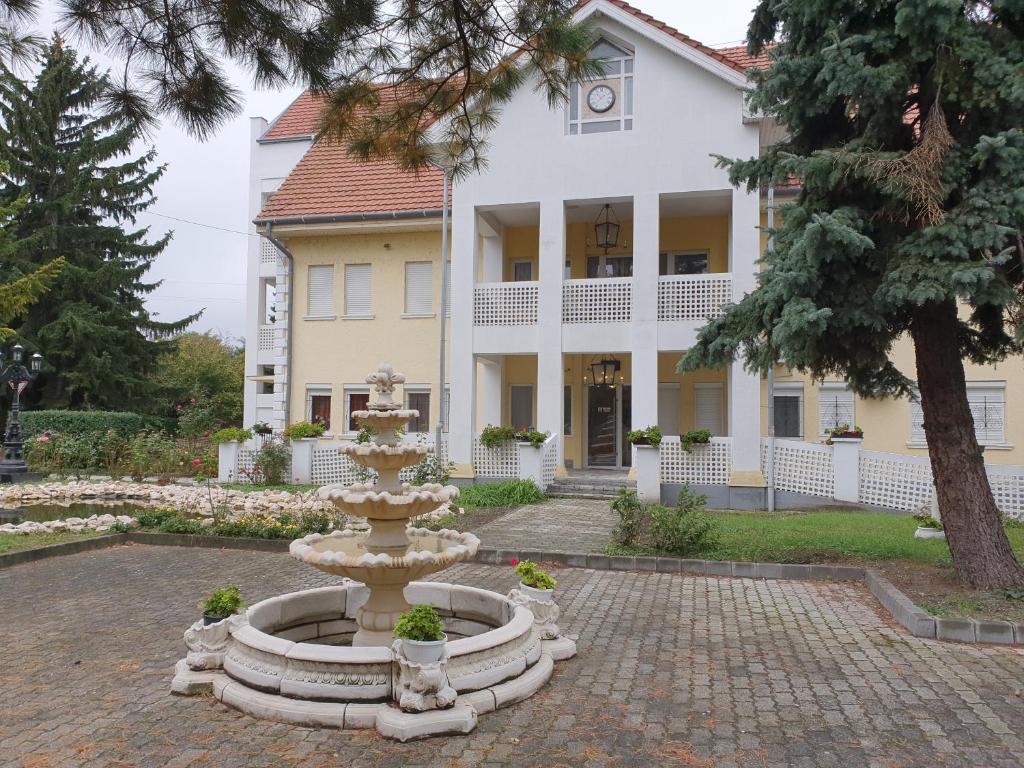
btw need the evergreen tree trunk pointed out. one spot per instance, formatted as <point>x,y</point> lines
<point>974,531</point>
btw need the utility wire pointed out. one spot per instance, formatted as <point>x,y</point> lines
<point>201,224</point>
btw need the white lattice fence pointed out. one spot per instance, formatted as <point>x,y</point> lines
<point>801,467</point>
<point>268,252</point>
<point>265,339</point>
<point>604,300</point>
<point>894,481</point>
<point>331,466</point>
<point>1008,489</point>
<point>505,303</point>
<point>247,460</point>
<point>709,464</point>
<point>549,461</point>
<point>692,297</point>
<point>502,461</point>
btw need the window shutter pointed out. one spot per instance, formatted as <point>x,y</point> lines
<point>916,421</point>
<point>321,291</point>
<point>835,407</point>
<point>357,291</point>
<point>419,288</point>
<point>710,408</point>
<point>987,410</point>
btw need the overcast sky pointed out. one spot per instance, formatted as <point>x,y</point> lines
<point>205,182</point>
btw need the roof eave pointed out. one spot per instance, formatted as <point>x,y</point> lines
<point>345,218</point>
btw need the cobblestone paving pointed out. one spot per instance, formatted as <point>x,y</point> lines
<point>672,671</point>
<point>555,525</point>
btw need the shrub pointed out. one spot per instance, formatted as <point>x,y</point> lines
<point>153,453</point>
<point>630,511</point>
<point>685,528</point>
<point>925,520</point>
<point>694,437</point>
<point>532,575</point>
<point>447,520</point>
<point>302,429</point>
<point>154,518</point>
<point>224,601</point>
<point>510,493</point>
<point>271,462</point>
<point>196,418</point>
<point>648,436</point>
<point>492,436</point>
<point>62,454</point>
<point>421,623</point>
<point>231,434</point>
<point>432,469</point>
<point>81,422</point>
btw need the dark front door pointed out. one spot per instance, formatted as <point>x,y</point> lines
<point>601,433</point>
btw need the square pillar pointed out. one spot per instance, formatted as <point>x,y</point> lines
<point>644,312</point>
<point>549,319</point>
<point>461,426</point>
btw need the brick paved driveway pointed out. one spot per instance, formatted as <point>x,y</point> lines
<point>554,525</point>
<point>672,671</point>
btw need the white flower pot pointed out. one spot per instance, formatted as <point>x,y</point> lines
<point>424,651</point>
<point>929,533</point>
<point>540,595</point>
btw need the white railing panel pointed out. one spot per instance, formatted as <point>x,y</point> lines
<point>266,338</point>
<point>268,252</point>
<point>602,300</point>
<point>506,303</point>
<point>709,464</point>
<point>895,481</point>
<point>801,467</point>
<point>693,297</point>
<point>549,461</point>
<point>501,461</point>
<point>1008,488</point>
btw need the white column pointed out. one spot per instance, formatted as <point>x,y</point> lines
<point>491,375</point>
<point>302,459</point>
<point>463,366</point>
<point>549,319</point>
<point>744,387</point>
<point>493,259</point>
<point>846,468</point>
<point>645,310</point>
<point>227,461</point>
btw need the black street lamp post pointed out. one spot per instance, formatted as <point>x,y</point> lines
<point>17,376</point>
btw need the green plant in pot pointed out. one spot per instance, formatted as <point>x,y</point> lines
<point>422,634</point>
<point>534,581</point>
<point>649,436</point>
<point>928,527</point>
<point>221,604</point>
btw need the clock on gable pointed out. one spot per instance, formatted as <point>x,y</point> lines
<point>601,98</point>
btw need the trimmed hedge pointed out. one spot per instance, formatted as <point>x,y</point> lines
<point>82,422</point>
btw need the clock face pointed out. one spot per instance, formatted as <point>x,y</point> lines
<point>601,98</point>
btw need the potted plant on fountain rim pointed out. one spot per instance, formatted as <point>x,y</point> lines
<point>534,581</point>
<point>422,635</point>
<point>221,604</point>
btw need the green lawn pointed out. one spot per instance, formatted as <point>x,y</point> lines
<point>816,537</point>
<point>11,542</point>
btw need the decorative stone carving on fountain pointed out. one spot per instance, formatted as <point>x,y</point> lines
<point>422,687</point>
<point>324,656</point>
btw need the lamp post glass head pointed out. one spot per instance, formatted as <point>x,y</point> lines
<point>37,363</point>
<point>18,352</point>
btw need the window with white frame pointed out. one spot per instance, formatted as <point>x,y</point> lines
<point>605,103</point>
<point>318,405</point>
<point>320,291</point>
<point>789,409</point>
<point>358,299</point>
<point>709,407</point>
<point>987,400</point>
<point>419,289</point>
<point>357,398</point>
<point>836,405</point>
<point>417,398</point>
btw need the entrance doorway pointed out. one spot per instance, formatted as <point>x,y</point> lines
<point>609,419</point>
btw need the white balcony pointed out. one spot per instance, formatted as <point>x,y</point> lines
<point>505,303</point>
<point>266,344</point>
<point>268,258</point>
<point>600,300</point>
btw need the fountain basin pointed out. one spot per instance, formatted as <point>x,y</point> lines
<point>364,501</point>
<point>387,458</point>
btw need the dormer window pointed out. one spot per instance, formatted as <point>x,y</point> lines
<point>605,103</point>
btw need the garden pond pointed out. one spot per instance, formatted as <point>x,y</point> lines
<point>40,513</point>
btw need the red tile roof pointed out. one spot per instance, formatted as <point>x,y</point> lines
<point>739,55</point>
<point>299,119</point>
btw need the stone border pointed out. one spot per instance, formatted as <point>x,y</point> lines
<point>899,606</point>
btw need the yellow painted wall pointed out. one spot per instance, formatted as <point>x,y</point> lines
<point>342,352</point>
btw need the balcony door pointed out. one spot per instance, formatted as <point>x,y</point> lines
<point>609,416</point>
<point>609,266</point>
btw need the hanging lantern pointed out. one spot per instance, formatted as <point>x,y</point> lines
<point>606,229</point>
<point>604,370</point>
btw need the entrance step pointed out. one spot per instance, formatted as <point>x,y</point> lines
<point>590,485</point>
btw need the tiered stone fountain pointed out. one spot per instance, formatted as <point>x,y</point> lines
<point>328,657</point>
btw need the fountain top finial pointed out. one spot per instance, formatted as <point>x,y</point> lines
<point>383,380</point>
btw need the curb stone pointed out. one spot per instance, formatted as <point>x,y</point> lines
<point>899,606</point>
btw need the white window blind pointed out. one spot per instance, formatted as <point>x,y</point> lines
<point>709,407</point>
<point>987,401</point>
<point>357,291</point>
<point>419,288</point>
<point>321,291</point>
<point>835,407</point>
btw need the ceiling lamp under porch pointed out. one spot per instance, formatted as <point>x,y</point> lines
<point>606,229</point>
<point>603,371</point>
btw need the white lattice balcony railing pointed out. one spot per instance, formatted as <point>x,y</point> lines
<point>268,252</point>
<point>600,300</point>
<point>505,303</point>
<point>693,297</point>
<point>708,464</point>
<point>265,340</point>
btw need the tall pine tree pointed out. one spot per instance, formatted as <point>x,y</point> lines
<point>906,127</point>
<point>69,160</point>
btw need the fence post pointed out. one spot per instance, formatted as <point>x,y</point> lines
<point>846,468</point>
<point>647,463</point>
<point>530,463</point>
<point>302,460</point>
<point>227,461</point>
